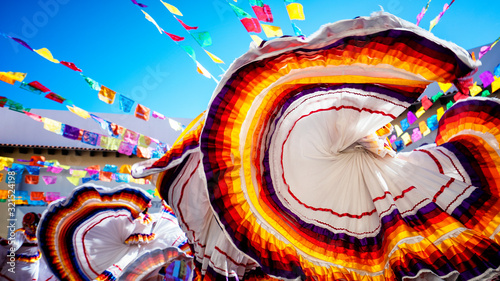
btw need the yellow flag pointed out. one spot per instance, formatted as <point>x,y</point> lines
<point>12,76</point>
<point>271,30</point>
<point>125,169</point>
<point>495,85</point>
<point>44,52</point>
<point>107,95</point>
<point>475,89</point>
<point>172,9</point>
<point>6,162</point>
<point>52,125</point>
<point>78,173</point>
<point>202,70</point>
<point>149,18</point>
<point>213,57</point>
<point>74,180</point>
<point>423,128</point>
<point>295,11</point>
<point>406,139</point>
<point>440,113</point>
<point>78,111</point>
<point>444,86</point>
<point>398,130</point>
<point>420,112</point>
<point>256,39</point>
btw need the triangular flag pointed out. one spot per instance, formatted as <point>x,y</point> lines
<point>251,25</point>
<point>158,115</point>
<point>411,117</point>
<point>78,111</point>
<point>174,37</point>
<point>398,130</point>
<point>422,13</point>
<point>92,83</point>
<point>256,39</point>
<point>202,70</point>
<point>142,112</point>
<point>34,116</point>
<point>444,86</point>
<point>55,97</point>
<point>263,13</point>
<point>420,112</point>
<point>21,42</point>
<point>139,4</point>
<point>149,18</point>
<point>71,66</point>
<point>483,51</point>
<point>172,9</point>
<point>272,31</point>
<point>107,95</point>
<point>213,57</point>
<point>295,11</point>
<point>187,27</point>
<point>296,30</point>
<point>44,52</point>
<point>239,12</point>
<point>190,51</point>
<point>203,38</point>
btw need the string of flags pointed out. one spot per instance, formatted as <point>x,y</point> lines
<point>30,174</point>
<point>422,13</point>
<point>104,93</point>
<point>203,39</point>
<point>490,84</point>
<point>440,15</point>
<point>122,140</point>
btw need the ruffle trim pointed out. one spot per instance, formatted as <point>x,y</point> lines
<point>140,238</point>
<point>29,258</point>
<point>106,276</point>
<point>145,219</point>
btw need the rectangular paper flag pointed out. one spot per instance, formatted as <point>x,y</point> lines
<point>55,97</point>
<point>251,25</point>
<point>142,112</point>
<point>263,13</point>
<point>52,126</point>
<point>10,77</point>
<point>172,9</point>
<point>272,31</point>
<point>295,11</point>
<point>125,103</point>
<point>49,179</point>
<point>78,111</point>
<point>107,95</point>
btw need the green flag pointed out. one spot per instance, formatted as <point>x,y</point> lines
<point>92,83</point>
<point>203,38</point>
<point>239,12</point>
<point>190,51</point>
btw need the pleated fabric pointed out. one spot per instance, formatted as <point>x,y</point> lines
<point>289,175</point>
<point>97,232</point>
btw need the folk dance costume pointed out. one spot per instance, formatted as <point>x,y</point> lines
<point>288,174</point>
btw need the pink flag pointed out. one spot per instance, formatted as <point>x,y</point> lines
<point>426,102</point>
<point>70,65</point>
<point>393,138</point>
<point>187,26</point>
<point>131,137</point>
<point>174,37</point>
<point>49,179</point>
<point>158,115</point>
<point>126,148</point>
<point>263,13</point>
<point>417,135</point>
<point>52,196</point>
<point>55,170</point>
<point>251,25</point>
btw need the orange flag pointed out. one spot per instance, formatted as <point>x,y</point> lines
<point>107,95</point>
<point>142,112</point>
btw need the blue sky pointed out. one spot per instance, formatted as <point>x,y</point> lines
<point>113,43</point>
